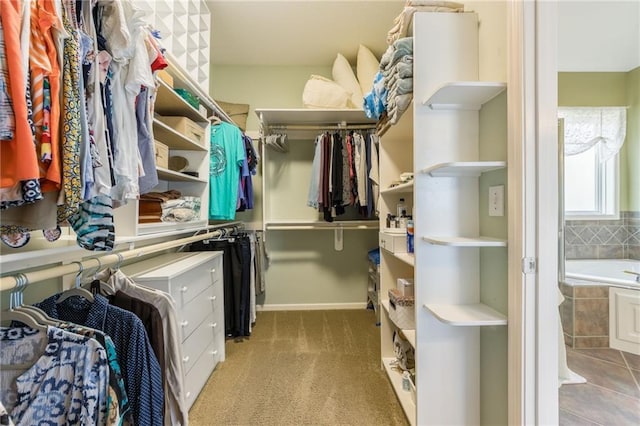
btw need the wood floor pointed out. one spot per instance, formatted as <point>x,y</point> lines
<point>611,395</point>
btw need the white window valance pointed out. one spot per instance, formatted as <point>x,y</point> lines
<point>585,127</point>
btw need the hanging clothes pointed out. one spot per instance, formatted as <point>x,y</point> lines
<point>227,154</point>
<point>175,412</point>
<point>56,377</point>
<point>140,368</point>
<point>343,174</point>
<point>237,281</point>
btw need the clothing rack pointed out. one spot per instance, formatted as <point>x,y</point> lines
<point>11,282</point>
<point>342,126</point>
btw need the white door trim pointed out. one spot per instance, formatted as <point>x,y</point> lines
<point>533,212</point>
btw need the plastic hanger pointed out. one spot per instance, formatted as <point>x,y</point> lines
<point>77,290</point>
<point>22,316</point>
<point>98,286</point>
<point>215,120</point>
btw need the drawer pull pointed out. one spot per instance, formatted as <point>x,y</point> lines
<point>184,289</point>
<point>214,353</point>
<point>184,323</point>
<point>185,359</point>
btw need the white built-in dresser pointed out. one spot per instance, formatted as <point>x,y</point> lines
<point>195,281</point>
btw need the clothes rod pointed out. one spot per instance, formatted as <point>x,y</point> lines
<point>10,282</point>
<point>322,127</point>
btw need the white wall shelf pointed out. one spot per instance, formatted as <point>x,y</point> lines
<point>169,103</point>
<point>463,169</point>
<point>316,117</point>
<point>466,241</point>
<point>470,315</point>
<point>170,175</point>
<point>403,188</point>
<point>411,337</point>
<point>465,95</point>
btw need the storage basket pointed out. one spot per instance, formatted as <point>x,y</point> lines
<point>401,310</point>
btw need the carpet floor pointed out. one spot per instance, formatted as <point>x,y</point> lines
<point>302,368</point>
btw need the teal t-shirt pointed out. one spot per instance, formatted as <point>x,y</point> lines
<point>226,156</point>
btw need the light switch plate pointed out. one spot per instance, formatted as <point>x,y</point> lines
<point>496,200</point>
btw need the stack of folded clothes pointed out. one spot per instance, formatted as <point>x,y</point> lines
<point>168,206</point>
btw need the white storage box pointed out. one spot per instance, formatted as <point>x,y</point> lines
<point>405,285</point>
<point>401,310</point>
<point>395,243</point>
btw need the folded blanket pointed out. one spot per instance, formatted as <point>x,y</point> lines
<point>396,51</point>
<point>402,23</point>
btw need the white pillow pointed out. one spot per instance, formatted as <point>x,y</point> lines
<point>367,67</point>
<point>343,75</point>
<point>320,92</point>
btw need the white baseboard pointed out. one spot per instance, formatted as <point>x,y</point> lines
<point>311,306</point>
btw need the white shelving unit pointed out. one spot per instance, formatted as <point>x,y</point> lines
<point>472,315</point>
<point>440,143</point>
<point>169,103</point>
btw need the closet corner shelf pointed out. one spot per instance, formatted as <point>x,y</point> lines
<point>464,95</point>
<point>403,396</point>
<point>173,139</point>
<point>466,241</point>
<point>170,175</point>
<point>274,117</point>
<point>168,102</point>
<point>463,168</point>
<point>470,315</point>
<point>403,188</point>
<point>319,225</point>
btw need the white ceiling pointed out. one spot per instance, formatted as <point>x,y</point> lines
<point>598,35</point>
<point>593,35</point>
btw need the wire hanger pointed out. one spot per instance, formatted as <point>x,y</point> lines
<point>21,316</point>
<point>77,290</point>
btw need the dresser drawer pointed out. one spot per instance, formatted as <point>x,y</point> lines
<point>183,275</point>
<point>201,338</point>
<point>194,313</point>
<point>197,377</point>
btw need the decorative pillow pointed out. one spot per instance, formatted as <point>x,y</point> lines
<point>344,76</point>
<point>237,112</point>
<point>320,92</point>
<point>366,67</point>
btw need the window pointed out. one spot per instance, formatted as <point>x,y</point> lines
<point>591,185</point>
<point>592,140</point>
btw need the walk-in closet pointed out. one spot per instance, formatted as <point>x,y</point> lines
<point>302,212</point>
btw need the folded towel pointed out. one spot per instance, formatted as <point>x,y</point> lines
<point>402,23</point>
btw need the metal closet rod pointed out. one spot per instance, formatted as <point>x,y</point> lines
<point>320,127</point>
<point>11,281</point>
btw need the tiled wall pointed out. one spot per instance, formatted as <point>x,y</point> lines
<point>585,315</point>
<point>603,239</point>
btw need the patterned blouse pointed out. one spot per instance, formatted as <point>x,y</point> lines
<point>54,379</point>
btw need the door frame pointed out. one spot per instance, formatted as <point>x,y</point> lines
<point>533,212</point>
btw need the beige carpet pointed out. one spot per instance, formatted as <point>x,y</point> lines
<point>302,368</point>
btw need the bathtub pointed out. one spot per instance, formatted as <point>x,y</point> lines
<point>601,304</point>
<point>604,271</point>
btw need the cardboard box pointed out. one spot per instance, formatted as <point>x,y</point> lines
<point>184,126</point>
<point>162,154</point>
<point>405,286</point>
<point>401,310</point>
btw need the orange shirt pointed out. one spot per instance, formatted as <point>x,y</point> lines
<point>18,160</point>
